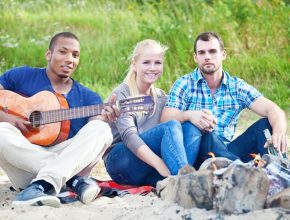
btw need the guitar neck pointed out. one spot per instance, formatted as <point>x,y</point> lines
<point>134,104</point>
<point>58,115</point>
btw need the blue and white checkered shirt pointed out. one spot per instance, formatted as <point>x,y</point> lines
<point>191,92</point>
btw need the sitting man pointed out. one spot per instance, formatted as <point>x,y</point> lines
<point>212,100</point>
<point>42,171</point>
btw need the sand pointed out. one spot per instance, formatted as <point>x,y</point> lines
<point>128,207</point>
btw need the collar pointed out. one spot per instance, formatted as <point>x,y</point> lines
<point>197,77</point>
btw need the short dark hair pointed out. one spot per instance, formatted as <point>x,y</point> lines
<point>61,34</point>
<point>207,36</point>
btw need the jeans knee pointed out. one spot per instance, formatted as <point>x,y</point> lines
<point>263,124</point>
<point>191,130</point>
<point>173,125</point>
<point>113,163</point>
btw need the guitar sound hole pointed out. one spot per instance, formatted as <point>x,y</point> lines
<point>35,118</point>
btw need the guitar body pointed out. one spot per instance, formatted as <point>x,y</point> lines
<point>44,135</point>
<point>50,116</point>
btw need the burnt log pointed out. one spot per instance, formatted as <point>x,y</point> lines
<point>189,190</point>
<point>281,199</point>
<point>243,189</point>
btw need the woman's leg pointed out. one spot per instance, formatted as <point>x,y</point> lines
<point>165,140</point>
<point>125,168</point>
<point>191,139</point>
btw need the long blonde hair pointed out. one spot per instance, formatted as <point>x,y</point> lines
<point>130,78</point>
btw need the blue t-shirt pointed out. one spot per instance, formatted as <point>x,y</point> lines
<point>28,81</point>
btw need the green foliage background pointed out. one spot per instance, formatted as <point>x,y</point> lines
<point>255,32</point>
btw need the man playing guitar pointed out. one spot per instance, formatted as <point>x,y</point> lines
<point>42,171</point>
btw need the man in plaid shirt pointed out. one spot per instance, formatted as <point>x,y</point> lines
<point>212,100</point>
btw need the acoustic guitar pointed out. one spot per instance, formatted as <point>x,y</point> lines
<point>49,113</point>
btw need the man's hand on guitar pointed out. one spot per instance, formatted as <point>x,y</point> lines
<point>21,124</point>
<point>110,112</point>
<point>49,121</point>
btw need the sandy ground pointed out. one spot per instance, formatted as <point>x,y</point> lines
<point>128,207</point>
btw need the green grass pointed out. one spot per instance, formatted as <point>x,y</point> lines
<point>256,36</point>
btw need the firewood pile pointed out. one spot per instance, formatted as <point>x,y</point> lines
<point>231,187</point>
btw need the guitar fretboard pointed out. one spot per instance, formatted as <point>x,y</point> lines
<point>134,104</point>
<point>58,115</point>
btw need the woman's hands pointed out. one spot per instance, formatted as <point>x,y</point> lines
<point>148,156</point>
<point>161,167</point>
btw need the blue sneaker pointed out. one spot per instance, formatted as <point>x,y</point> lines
<point>34,195</point>
<point>86,189</point>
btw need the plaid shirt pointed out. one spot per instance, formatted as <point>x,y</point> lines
<point>191,92</point>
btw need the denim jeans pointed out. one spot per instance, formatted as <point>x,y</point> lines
<point>251,141</point>
<point>177,145</point>
<point>211,142</point>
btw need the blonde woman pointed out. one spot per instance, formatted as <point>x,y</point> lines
<point>144,151</point>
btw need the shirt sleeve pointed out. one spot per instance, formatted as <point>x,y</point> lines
<point>247,94</point>
<point>126,126</point>
<point>178,96</point>
<point>10,77</point>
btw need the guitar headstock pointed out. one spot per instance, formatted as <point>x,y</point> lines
<point>136,104</point>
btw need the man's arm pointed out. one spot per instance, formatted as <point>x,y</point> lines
<point>276,116</point>
<point>204,119</point>
<point>172,114</point>
<point>14,120</point>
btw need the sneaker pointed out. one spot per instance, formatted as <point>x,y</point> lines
<point>86,189</point>
<point>34,195</point>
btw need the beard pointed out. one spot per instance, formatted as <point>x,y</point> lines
<point>63,76</point>
<point>210,70</point>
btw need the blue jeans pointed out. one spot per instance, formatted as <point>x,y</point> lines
<point>211,142</point>
<point>177,145</point>
<point>251,141</point>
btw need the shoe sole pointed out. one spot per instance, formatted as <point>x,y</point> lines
<point>90,194</point>
<point>40,201</point>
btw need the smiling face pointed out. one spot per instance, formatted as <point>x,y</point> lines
<point>63,57</point>
<point>209,56</point>
<point>148,65</point>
